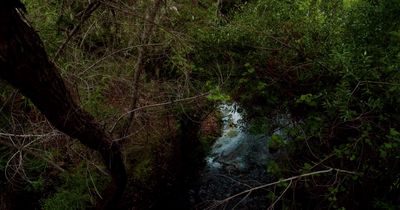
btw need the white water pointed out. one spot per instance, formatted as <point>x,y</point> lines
<point>236,148</point>
<point>237,160</point>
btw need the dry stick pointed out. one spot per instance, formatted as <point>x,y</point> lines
<point>131,134</point>
<point>234,180</point>
<point>145,39</point>
<point>283,180</point>
<point>8,178</point>
<point>90,162</point>
<point>280,196</point>
<point>86,15</point>
<point>156,105</point>
<point>29,135</point>
<point>128,12</point>
<point>113,53</point>
<point>91,179</point>
<point>34,154</point>
<point>241,200</point>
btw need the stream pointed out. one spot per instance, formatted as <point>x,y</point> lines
<point>235,163</point>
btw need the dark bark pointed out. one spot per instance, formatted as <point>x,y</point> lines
<point>26,66</point>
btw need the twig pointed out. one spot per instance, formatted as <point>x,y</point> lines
<point>113,53</point>
<point>234,180</point>
<point>280,196</point>
<point>381,83</point>
<point>145,38</point>
<point>86,15</point>
<point>91,162</point>
<point>32,153</point>
<point>284,180</point>
<point>132,13</point>
<point>156,105</point>
<point>8,165</point>
<point>29,135</point>
<point>241,200</point>
<point>91,179</point>
<point>131,134</point>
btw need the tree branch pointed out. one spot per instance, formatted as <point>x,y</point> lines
<point>86,15</point>
<point>281,181</point>
<point>156,105</point>
<point>145,39</point>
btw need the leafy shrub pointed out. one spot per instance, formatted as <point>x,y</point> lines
<point>77,191</point>
<point>334,66</point>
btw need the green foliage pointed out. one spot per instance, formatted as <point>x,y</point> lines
<point>334,66</point>
<point>258,125</point>
<point>215,94</point>
<point>143,169</point>
<point>37,185</point>
<point>76,192</point>
<point>276,142</point>
<point>308,99</point>
<point>46,21</point>
<point>33,173</point>
<point>274,169</point>
<point>34,169</point>
<point>95,101</point>
<point>206,142</point>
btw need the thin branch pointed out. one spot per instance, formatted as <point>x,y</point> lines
<point>91,179</point>
<point>91,162</point>
<point>132,13</point>
<point>32,153</point>
<point>241,200</point>
<point>86,15</point>
<point>280,196</point>
<point>284,180</point>
<point>8,166</point>
<point>381,83</point>
<point>45,159</point>
<point>156,105</point>
<point>131,134</point>
<point>145,38</point>
<point>234,180</point>
<point>54,133</point>
<point>116,52</point>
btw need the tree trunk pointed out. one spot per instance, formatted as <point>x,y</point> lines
<point>25,65</point>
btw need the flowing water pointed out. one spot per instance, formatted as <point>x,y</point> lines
<point>235,163</point>
<point>236,148</point>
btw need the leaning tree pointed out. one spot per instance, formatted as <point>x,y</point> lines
<point>25,65</point>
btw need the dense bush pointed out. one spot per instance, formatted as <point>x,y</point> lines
<point>333,66</point>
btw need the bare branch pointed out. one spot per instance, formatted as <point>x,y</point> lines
<point>145,38</point>
<point>25,149</point>
<point>219,202</point>
<point>115,52</point>
<point>53,133</point>
<point>271,207</point>
<point>156,105</point>
<point>86,15</point>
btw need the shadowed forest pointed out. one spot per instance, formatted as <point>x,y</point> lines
<point>201,104</point>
